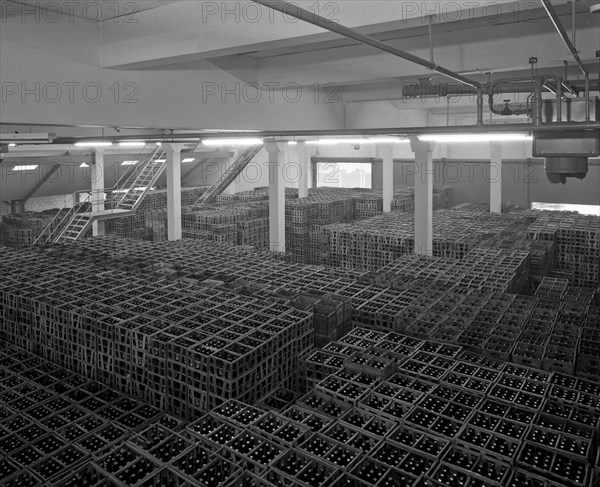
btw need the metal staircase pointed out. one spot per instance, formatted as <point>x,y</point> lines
<point>136,187</point>
<point>130,191</point>
<point>229,175</point>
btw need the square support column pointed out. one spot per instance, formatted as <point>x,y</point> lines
<point>276,196</point>
<point>423,196</point>
<point>173,151</point>
<point>231,189</point>
<point>495,177</point>
<point>97,176</point>
<point>387,173</point>
<point>303,159</point>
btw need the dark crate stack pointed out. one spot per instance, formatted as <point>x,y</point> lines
<point>147,215</point>
<point>415,296</point>
<point>21,230</point>
<point>397,412</point>
<point>182,347</point>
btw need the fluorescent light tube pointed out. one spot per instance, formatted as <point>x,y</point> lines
<point>84,164</point>
<point>228,142</point>
<point>25,168</point>
<point>93,144</point>
<point>468,138</point>
<point>189,159</point>
<point>292,142</point>
<point>129,163</point>
<point>375,140</point>
<point>132,144</point>
<point>160,160</point>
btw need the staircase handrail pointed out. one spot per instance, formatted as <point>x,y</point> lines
<point>73,199</point>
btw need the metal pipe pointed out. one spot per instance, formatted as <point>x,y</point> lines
<point>390,131</point>
<point>312,18</point>
<point>559,97</point>
<point>573,27</point>
<point>549,88</point>
<point>587,97</point>
<point>430,19</point>
<point>563,34</point>
<point>479,106</point>
<point>512,111</point>
<point>537,102</point>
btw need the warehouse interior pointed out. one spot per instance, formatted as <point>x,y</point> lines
<point>314,243</point>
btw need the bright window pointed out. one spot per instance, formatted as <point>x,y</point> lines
<point>583,209</point>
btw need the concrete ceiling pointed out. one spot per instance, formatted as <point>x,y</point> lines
<point>89,10</point>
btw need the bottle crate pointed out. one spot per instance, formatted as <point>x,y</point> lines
<point>23,478</point>
<point>314,421</point>
<point>283,431</point>
<point>370,364</point>
<point>323,404</point>
<point>553,466</point>
<point>426,420</point>
<point>253,452</point>
<point>384,407</point>
<point>365,421</point>
<point>404,379</point>
<point>557,358</point>
<point>524,477</point>
<point>572,446</point>
<point>472,383</point>
<point>489,444</point>
<point>290,465</point>
<point>484,469</point>
<point>221,436</point>
<point>400,393</point>
<point>59,463</point>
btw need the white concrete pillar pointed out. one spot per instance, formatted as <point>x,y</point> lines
<point>495,177</point>
<point>387,154</point>
<point>423,196</point>
<point>304,176</point>
<point>276,196</point>
<point>97,175</point>
<point>173,190</point>
<point>231,189</point>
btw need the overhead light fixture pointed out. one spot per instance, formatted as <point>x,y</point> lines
<point>466,138</point>
<point>370,140</point>
<point>129,163</point>
<point>25,167</point>
<point>159,144</point>
<point>27,138</point>
<point>12,145</point>
<point>132,144</point>
<point>93,143</point>
<point>292,142</point>
<point>189,159</point>
<point>160,160</point>
<point>228,142</point>
<point>84,164</point>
